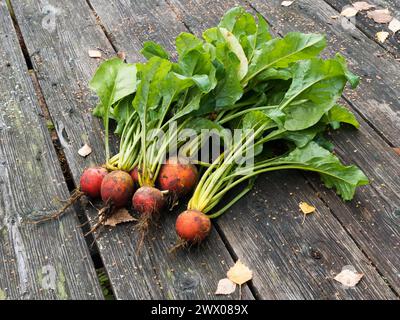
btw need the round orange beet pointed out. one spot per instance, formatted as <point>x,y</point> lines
<point>91,180</point>
<point>117,187</point>
<point>177,176</point>
<point>193,226</point>
<point>148,200</point>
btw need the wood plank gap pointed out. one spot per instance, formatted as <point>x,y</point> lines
<point>65,169</point>
<point>21,41</point>
<point>368,122</point>
<point>101,25</point>
<point>235,257</point>
<point>178,17</point>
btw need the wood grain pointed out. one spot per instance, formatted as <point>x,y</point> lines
<point>64,68</point>
<point>370,27</point>
<point>49,261</point>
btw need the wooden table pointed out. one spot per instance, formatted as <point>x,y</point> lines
<point>45,117</point>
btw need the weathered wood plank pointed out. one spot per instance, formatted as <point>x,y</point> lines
<point>60,58</point>
<point>370,218</point>
<point>49,261</point>
<point>305,286</point>
<point>370,28</point>
<point>377,96</point>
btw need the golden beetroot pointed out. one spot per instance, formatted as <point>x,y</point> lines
<point>177,176</point>
<point>193,226</point>
<point>117,187</point>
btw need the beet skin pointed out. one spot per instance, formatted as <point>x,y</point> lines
<point>117,187</point>
<point>91,179</point>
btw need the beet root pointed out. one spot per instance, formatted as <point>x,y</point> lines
<point>117,188</point>
<point>148,202</point>
<point>177,176</point>
<point>193,226</point>
<point>91,179</point>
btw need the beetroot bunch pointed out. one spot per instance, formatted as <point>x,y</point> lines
<point>277,91</point>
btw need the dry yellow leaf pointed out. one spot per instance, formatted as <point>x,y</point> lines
<point>120,216</point>
<point>121,55</point>
<point>286,3</point>
<point>380,16</point>
<point>349,277</point>
<point>239,273</point>
<point>394,25</point>
<point>306,208</point>
<point>94,53</point>
<point>363,5</point>
<point>382,36</point>
<point>349,12</point>
<point>225,286</point>
<point>85,150</point>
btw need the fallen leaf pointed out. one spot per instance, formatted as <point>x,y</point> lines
<point>286,3</point>
<point>225,286</point>
<point>397,150</point>
<point>394,25</point>
<point>239,273</point>
<point>121,55</point>
<point>349,276</point>
<point>382,36</point>
<point>380,16</point>
<point>349,12</point>
<point>334,17</point>
<point>306,208</point>
<point>363,5</point>
<point>85,150</point>
<point>94,53</point>
<point>119,216</point>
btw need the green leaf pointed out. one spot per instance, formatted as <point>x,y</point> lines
<point>237,49</point>
<point>113,81</point>
<point>302,137</point>
<point>280,53</point>
<point>243,27</point>
<point>148,93</point>
<point>339,114</point>
<point>151,49</point>
<point>263,34</point>
<point>228,90</point>
<point>274,74</point>
<point>122,111</point>
<point>351,77</point>
<point>315,88</point>
<point>187,42</point>
<point>312,157</point>
<point>324,143</point>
